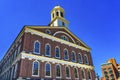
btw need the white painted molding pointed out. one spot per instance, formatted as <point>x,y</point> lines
<point>55,39</point>
<point>53,60</point>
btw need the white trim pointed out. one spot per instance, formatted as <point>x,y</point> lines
<point>69,73</point>
<point>59,52</point>
<point>87,59</point>
<point>28,30</point>
<point>81,58</point>
<point>64,33</point>
<point>34,47</point>
<point>45,50</point>
<point>67,54</point>
<point>24,55</point>
<point>60,71</point>
<point>75,56</point>
<point>45,70</point>
<point>38,68</point>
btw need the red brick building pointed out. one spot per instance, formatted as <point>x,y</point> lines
<point>111,70</point>
<point>48,53</point>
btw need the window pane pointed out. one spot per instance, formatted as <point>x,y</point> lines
<point>89,76</point>
<point>57,50</point>
<point>47,50</point>
<point>64,37</point>
<point>35,68</point>
<point>67,72</point>
<point>86,59</point>
<point>75,73</point>
<point>47,69</point>
<point>65,54</point>
<point>80,58</point>
<point>58,71</point>
<point>36,47</point>
<point>73,57</point>
<point>83,75</point>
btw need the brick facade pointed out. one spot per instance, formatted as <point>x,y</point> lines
<point>17,64</point>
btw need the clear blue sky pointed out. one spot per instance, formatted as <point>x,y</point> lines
<point>96,22</point>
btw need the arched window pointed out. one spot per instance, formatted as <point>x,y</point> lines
<point>89,75</point>
<point>66,57</point>
<point>36,47</point>
<point>58,71</point>
<point>47,50</point>
<point>57,13</point>
<point>35,70</point>
<point>64,38</point>
<point>86,59</point>
<point>67,72</point>
<point>83,74</point>
<point>73,56</point>
<point>61,13</point>
<point>57,52</point>
<point>75,72</point>
<point>80,58</point>
<point>48,69</point>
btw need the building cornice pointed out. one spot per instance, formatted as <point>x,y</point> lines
<point>56,27</point>
<point>53,60</point>
<point>28,30</point>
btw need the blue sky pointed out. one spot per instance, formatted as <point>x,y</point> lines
<point>96,22</point>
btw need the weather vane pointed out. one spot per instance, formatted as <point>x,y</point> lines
<point>57,3</point>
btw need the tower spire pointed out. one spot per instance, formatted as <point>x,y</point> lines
<point>57,17</point>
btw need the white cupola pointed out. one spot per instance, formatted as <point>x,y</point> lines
<point>57,17</point>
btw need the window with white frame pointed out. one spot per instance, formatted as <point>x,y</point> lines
<point>47,50</point>
<point>57,52</point>
<point>58,71</point>
<point>67,72</point>
<point>83,74</point>
<point>80,58</point>
<point>66,57</point>
<point>86,59</point>
<point>75,72</point>
<point>47,70</point>
<point>35,69</point>
<point>89,75</point>
<point>36,47</point>
<point>73,56</point>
